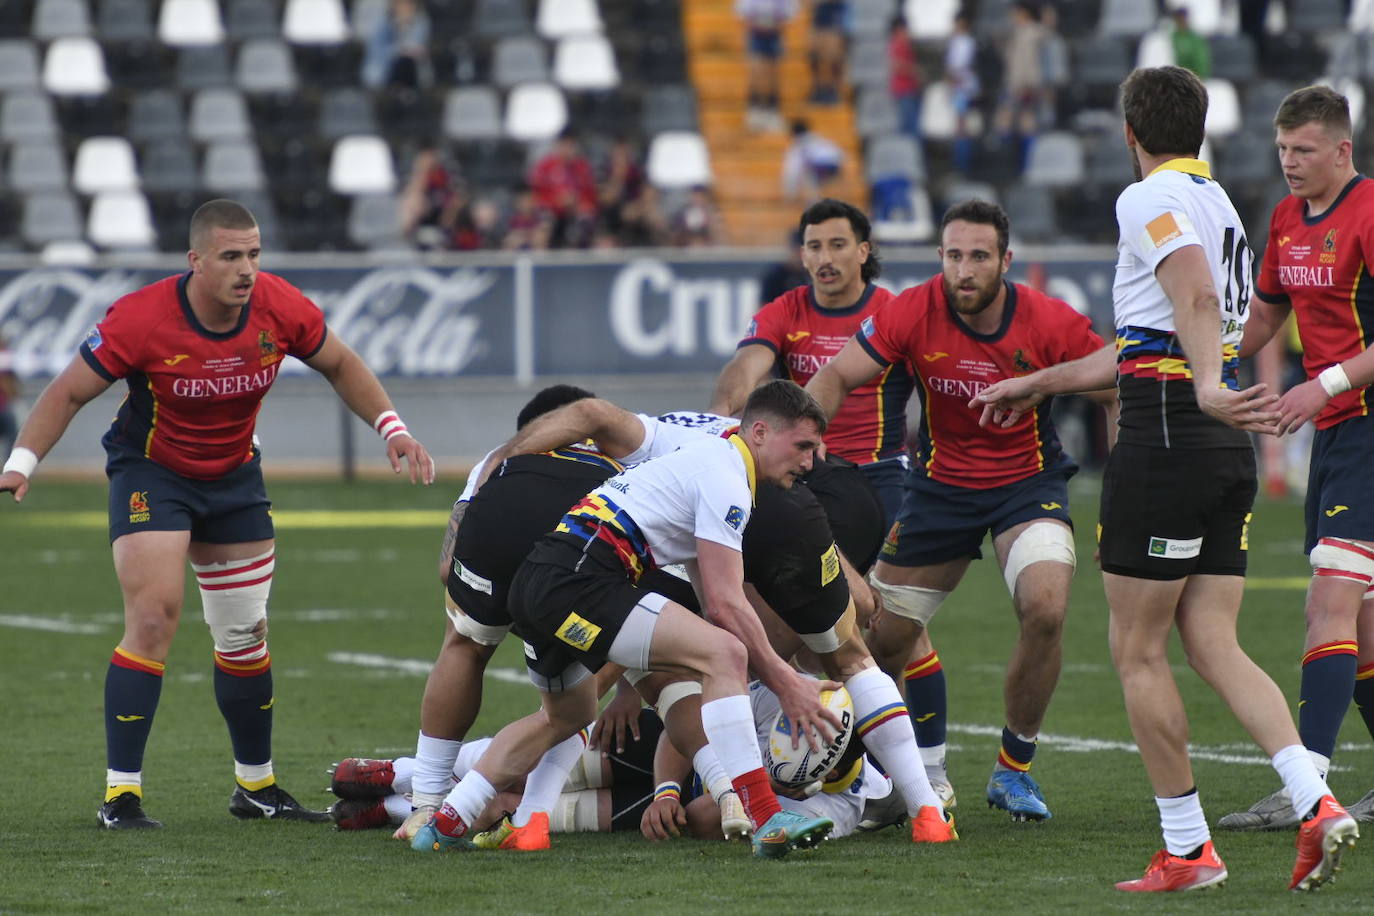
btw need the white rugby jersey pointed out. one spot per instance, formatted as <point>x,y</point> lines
<point>670,431</point>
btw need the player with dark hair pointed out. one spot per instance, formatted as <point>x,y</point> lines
<point>960,332</point>
<point>1179,486</point>
<point>199,352</point>
<point>1317,265</point>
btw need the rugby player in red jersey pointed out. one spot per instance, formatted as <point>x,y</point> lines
<point>961,332</point>
<point>1317,265</point>
<point>199,351</point>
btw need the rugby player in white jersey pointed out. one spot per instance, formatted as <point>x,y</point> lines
<point>1178,488</point>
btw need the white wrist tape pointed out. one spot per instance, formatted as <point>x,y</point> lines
<point>1334,380</point>
<point>22,460</point>
<point>388,425</point>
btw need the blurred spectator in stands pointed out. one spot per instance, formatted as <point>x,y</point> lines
<point>529,225</point>
<point>430,201</point>
<point>642,223</point>
<point>1054,64</point>
<point>1191,50</point>
<point>828,21</point>
<point>398,51</point>
<point>785,275</point>
<point>809,164</point>
<point>764,21</point>
<point>697,221</point>
<point>961,73</point>
<point>622,177</point>
<point>488,226</point>
<point>565,187</point>
<point>1253,13</point>
<point>1023,82</point>
<point>905,76</point>
<point>9,395</point>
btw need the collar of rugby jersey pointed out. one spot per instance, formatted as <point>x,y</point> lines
<point>1191,166</point>
<point>748,457</point>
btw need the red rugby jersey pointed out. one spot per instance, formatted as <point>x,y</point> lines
<point>194,394</point>
<point>871,423</point>
<point>952,363</point>
<point>1321,265</point>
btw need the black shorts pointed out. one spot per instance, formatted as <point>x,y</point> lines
<point>522,501</point>
<point>632,773</point>
<point>145,496</point>
<point>1338,504</point>
<point>852,507</point>
<point>790,557</point>
<point>1170,513</point>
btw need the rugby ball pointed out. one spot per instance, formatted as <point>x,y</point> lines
<point>797,766</point>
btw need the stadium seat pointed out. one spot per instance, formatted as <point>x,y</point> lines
<point>1101,61</point>
<point>960,190</point>
<point>16,20</point>
<point>1156,49</point>
<point>1361,16</point>
<point>1130,18</point>
<point>247,19</point>
<point>472,113</point>
<point>408,114</point>
<point>1223,108</point>
<point>1055,160</point>
<point>373,221</point>
<point>138,64</point>
<point>60,19</point>
<point>668,108</point>
<point>606,113</point>
<point>1031,211</point>
<point>50,216</point>
<point>37,165</point>
<point>344,112</point>
<point>104,164</point>
<point>27,115</point>
<point>1320,16</point>
<point>315,22</point>
<point>1109,162</point>
<point>876,113</point>
<point>916,222</point>
<point>125,20</point>
<point>679,159</point>
<point>232,165</point>
<point>868,64</point>
<point>265,65</point>
<point>585,62</point>
<point>169,164</point>
<point>18,64</point>
<point>491,163</point>
<point>869,18</point>
<point>495,18</point>
<point>535,111</point>
<point>1245,162</point>
<point>662,59</point>
<point>67,253</point>
<point>121,219</point>
<point>519,59</point>
<point>75,66</point>
<point>895,156</point>
<point>561,18</point>
<point>1206,17</point>
<point>367,15</point>
<point>190,22</point>
<point>1354,93</point>
<point>930,19</point>
<point>1233,58</point>
<point>203,67</point>
<point>219,114</point>
<point>1260,104</point>
<point>939,121</point>
<point>362,165</point>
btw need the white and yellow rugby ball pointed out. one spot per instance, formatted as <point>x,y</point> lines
<point>797,766</point>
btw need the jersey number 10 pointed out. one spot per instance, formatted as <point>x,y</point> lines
<point>1235,262</point>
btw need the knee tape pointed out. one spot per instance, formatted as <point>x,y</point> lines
<point>1040,542</point>
<point>575,812</point>
<point>233,597</point>
<point>910,601</point>
<point>678,690</point>
<point>464,625</point>
<point>1343,559</point>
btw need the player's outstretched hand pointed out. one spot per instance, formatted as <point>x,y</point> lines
<point>1005,402</point>
<point>1251,410</point>
<point>407,447</point>
<point>1298,405</point>
<point>16,483</point>
<point>800,698</point>
<point>620,716</point>
<point>664,818</point>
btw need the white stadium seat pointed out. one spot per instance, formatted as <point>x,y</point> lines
<point>679,159</point>
<point>362,164</point>
<point>121,219</point>
<point>315,22</point>
<point>75,66</point>
<point>190,22</point>
<point>535,111</point>
<point>585,62</point>
<point>104,164</point>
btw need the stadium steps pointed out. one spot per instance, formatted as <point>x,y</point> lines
<point>747,165</point>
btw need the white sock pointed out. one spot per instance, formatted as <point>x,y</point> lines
<point>470,796</point>
<point>397,808</point>
<point>1300,776</point>
<point>402,768</point>
<point>885,729</point>
<point>123,778</point>
<point>545,782</point>
<point>434,759</point>
<point>1321,762</point>
<point>934,758</point>
<point>468,756</point>
<point>729,726</point>
<point>249,774</point>
<point>1183,823</point>
<point>712,774</point>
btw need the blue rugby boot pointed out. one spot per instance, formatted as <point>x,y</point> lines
<point>1017,793</point>
<point>786,831</point>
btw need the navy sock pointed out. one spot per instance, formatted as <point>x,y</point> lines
<point>245,701</point>
<point>133,686</point>
<point>924,680</point>
<point>1328,683</point>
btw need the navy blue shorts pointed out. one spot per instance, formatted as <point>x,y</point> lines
<point>765,43</point>
<point>888,478</point>
<point>1338,488</point>
<point>145,496</point>
<point>940,522</point>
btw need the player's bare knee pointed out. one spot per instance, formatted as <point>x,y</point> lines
<point>723,656</point>
<point>1042,620</point>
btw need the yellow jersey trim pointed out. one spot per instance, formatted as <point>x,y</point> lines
<point>748,457</point>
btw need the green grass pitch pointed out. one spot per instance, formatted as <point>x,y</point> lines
<point>347,586</point>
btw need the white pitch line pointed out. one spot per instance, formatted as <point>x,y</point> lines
<point>50,624</point>
<point>418,666</point>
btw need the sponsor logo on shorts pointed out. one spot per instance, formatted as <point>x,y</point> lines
<point>734,517</point>
<point>1245,532</point>
<point>138,507</point>
<point>1172,549</point>
<point>890,542</point>
<point>471,579</point>
<point>795,336</point>
<point>830,565</point>
<point>173,360</point>
<point>578,632</point>
<point>1335,510</point>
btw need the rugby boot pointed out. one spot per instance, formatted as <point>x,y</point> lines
<point>1323,839</point>
<point>1363,810</point>
<point>430,838</point>
<point>274,803</point>
<point>1169,872</point>
<point>944,790</point>
<point>883,812</point>
<point>505,835</point>
<point>1273,812</point>
<point>933,825</point>
<point>362,777</point>
<point>411,826</point>
<point>786,831</point>
<point>125,812</point>
<point>359,814</point>
<point>734,820</point>
<point>1018,794</point>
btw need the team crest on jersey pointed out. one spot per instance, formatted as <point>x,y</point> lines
<point>578,632</point>
<point>1018,359</point>
<point>94,340</point>
<point>1329,243</point>
<point>267,346</point>
<point>138,507</point>
<point>734,517</point>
